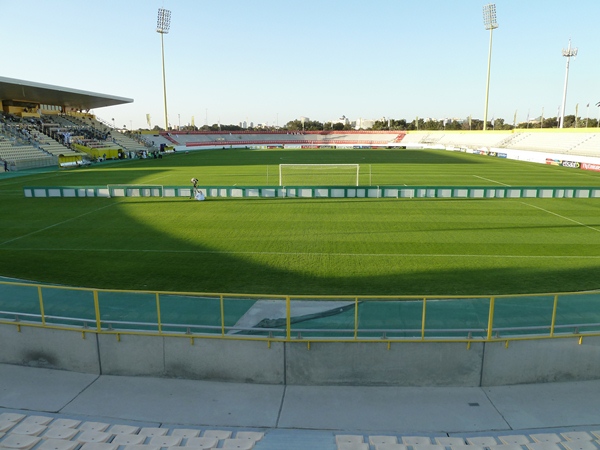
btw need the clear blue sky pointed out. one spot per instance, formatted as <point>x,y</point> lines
<point>277,60</point>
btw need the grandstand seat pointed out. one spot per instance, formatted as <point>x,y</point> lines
<point>392,447</point>
<point>68,423</point>
<point>123,429</point>
<point>19,441</point>
<point>518,439</point>
<point>128,439</point>
<point>428,447</point>
<point>241,444</point>
<point>166,441</point>
<point>185,433</point>
<point>152,431</point>
<point>93,426</point>
<point>380,440</point>
<point>251,435</point>
<point>94,436</point>
<point>141,447</point>
<point>58,444</point>
<point>577,436</point>
<point>200,443</point>
<point>505,447</point>
<point>30,429</point>
<point>468,447</point>
<point>546,437</point>
<point>544,446</point>
<point>217,434</point>
<point>449,441</point>
<point>60,433</point>
<point>579,445</point>
<point>98,446</point>
<point>484,441</point>
<point>416,440</point>
<point>6,425</point>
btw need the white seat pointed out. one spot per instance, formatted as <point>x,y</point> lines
<point>391,447</point>
<point>446,440</point>
<point>519,439</point>
<point>37,420</point>
<point>577,436</point>
<point>30,429</point>
<point>19,441</point>
<point>141,447</point>
<point>12,417</point>
<point>60,433</point>
<point>202,442</point>
<point>93,426</point>
<point>505,447</point>
<point>546,437</point>
<point>544,446</point>
<point>218,434</point>
<point>185,433</point>
<point>94,436</point>
<point>485,441</point>
<point>58,444</point>
<point>349,439</point>
<point>128,439</point>
<point>379,440</point>
<point>6,425</point>
<point>251,435</point>
<point>579,444</point>
<point>353,446</point>
<point>428,447</point>
<point>240,444</point>
<point>416,440</point>
<point>123,429</point>
<point>67,423</point>
<point>98,446</point>
<point>165,441</point>
<point>153,431</point>
<point>467,447</point>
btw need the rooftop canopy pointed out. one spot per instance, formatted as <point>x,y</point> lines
<point>46,94</point>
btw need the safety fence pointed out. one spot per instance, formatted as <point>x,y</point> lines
<point>478,192</point>
<point>301,318</point>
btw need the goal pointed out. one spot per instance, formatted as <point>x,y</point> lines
<point>318,174</point>
<point>135,190</point>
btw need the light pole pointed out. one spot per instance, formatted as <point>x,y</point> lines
<point>163,24</point>
<point>567,53</point>
<point>489,20</point>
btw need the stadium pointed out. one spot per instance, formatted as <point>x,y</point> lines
<point>293,289</point>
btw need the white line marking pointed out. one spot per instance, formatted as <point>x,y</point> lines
<point>562,217</point>
<point>493,181</point>
<point>227,252</point>
<point>57,224</point>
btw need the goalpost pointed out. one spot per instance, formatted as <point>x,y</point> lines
<point>318,174</point>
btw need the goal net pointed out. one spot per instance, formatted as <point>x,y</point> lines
<point>318,174</point>
<point>135,190</point>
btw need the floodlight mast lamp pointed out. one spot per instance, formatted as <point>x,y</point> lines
<point>568,53</point>
<point>489,20</point>
<point>163,24</point>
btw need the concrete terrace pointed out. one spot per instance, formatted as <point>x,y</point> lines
<point>303,417</point>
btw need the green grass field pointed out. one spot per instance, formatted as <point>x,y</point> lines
<point>306,246</point>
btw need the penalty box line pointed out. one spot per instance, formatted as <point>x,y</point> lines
<point>562,217</point>
<point>57,224</point>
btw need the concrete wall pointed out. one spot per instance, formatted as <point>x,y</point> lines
<point>294,363</point>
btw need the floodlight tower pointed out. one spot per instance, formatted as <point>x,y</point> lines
<point>162,26</point>
<point>568,53</point>
<point>489,20</point>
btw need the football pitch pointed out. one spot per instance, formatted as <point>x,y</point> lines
<point>306,246</point>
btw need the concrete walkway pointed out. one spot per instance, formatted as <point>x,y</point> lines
<point>290,413</point>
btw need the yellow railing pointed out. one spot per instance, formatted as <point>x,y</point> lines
<point>302,318</point>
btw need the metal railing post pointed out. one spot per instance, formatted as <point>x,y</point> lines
<point>97,311</point>
<point>158,313</point>
<point>423,317</point>
<point>355,317</point>
<point>554,308</point>
<point>222,306</point>
<point>288,318</point>
<point>490,319</point>
<point>41,305</point>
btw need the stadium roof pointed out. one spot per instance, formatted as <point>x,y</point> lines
<point>46,94</point>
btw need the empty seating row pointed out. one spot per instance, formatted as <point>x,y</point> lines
<point>570,440</point>
<point>21,432</point>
